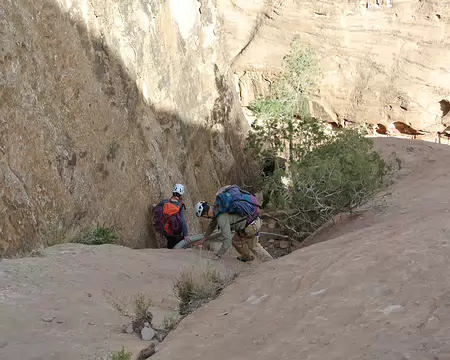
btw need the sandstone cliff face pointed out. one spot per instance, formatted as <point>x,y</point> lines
<point>104,106</point>
<point>383,61</point>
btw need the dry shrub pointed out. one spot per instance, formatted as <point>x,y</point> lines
<point>107,355</point>
<point>137,308</point>
<point>201,283</point>
<point>171,321</point>
<point>98,236</point>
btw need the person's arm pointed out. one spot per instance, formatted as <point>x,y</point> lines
<point>225,229</point>
<point>183,221</point>
<point>211,227</point>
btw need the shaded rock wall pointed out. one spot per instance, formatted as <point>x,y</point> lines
<point>104,105</point>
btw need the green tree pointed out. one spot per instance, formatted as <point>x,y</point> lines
<point>327,172</point>
<point>283,123</point>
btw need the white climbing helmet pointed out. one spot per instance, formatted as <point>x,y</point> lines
<point>178,189</point>
<point>199,207</point>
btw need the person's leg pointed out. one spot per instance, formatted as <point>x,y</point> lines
<point>248,243</point>
<point>241,246</point>
<point>172,241</point>
<point>258,250</point>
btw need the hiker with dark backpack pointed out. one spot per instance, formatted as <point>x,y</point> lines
<point>169,218</point>
<point>238,210</point>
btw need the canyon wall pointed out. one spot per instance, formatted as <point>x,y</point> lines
<point>383,61</point>
<point>104,106</point>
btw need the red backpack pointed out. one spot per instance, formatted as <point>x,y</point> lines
<point>167,218</point>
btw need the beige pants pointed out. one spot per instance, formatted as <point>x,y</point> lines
<point>247,243</point>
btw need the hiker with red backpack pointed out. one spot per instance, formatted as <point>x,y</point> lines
<point>238,210</point>
<point>169,218</point>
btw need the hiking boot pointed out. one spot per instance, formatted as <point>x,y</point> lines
<point>243,259</point>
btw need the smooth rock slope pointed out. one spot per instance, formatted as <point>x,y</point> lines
<point>378,290</point>
<point>60,305</point>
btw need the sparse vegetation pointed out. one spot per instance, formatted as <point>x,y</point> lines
<point>98,236</point>
<point>58,236</point>
<point>328,172</point>
<point>199,284</point>
<point>138,307</point>
<point>107,355</point>
<point>171,321</point>
<point>122,355</point>
<point>57,239</point>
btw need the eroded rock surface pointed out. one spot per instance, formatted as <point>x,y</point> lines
<point>383,61</point>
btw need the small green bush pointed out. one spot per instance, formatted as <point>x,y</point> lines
<point>122,355</point>
<point>339,176</point>
<point>99,236</point>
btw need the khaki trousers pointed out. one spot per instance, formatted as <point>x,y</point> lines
<point>247,243</point>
